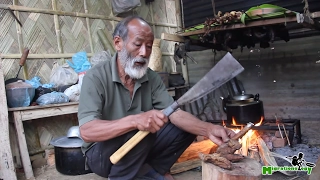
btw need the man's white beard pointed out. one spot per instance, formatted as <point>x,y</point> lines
<point>128,63</point>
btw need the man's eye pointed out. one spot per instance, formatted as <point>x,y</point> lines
<point>149,47</point>
<point>137,45</point>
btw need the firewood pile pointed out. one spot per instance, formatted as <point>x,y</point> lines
<point>221,19</point>
<point>244,37</point>
<point>224,155</point>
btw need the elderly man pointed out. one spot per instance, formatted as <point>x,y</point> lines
<point>121,96</point>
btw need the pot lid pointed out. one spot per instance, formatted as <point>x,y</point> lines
<point>18,84</point>
<point>67,142</point>
<point>243,96</point>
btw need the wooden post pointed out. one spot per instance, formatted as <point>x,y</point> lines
<point>246,169</point>
<point>7,169</point>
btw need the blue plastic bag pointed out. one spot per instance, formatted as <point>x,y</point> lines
<point>79,62</point>
<point>35,82</point>
<point>52,98</point>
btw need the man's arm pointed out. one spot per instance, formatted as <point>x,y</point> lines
<point>100,130</point>
<point>191,124</point>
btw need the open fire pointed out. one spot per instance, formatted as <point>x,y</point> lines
<point>256,143</point>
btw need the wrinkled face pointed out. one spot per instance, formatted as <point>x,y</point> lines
<point>134,52</point>
<point>134,66</point>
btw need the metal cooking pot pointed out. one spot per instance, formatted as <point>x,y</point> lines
<point>69,158</point>
<point>247,108</point>
<point>19,94</point>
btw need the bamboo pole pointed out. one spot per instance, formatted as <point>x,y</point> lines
<point>105,41</point>
<point>20,41</point>
<point>88,25</point>
<point>111,14</point>
<point>53,56</point>
<point>41,56</point>
<point>152,21</point>
<point>74,14</point>
<point>57,28</point>
<point>184,67</point>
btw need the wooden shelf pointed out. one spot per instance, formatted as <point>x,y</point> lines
<point>36,112</point>
<point>299,18</point>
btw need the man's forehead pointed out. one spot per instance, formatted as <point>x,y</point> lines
<point>139,26</point>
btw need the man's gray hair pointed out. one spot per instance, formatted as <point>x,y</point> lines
<point>121,29</point>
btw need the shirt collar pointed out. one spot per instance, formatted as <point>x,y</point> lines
<point>115,74</point>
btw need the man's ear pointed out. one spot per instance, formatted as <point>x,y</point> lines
<point>118,43</point>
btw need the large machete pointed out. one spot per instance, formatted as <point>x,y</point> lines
<point>226,69</point>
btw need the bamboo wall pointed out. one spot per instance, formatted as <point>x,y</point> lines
<point>54,30</point>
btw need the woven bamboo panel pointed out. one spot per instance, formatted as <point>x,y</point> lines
<point>39,34</point>
<point>164,11</point>
<point>39,31</point>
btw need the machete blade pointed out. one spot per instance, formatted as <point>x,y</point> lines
<point>226,69</point>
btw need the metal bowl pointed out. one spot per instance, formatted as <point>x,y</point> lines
<point>74,131</point>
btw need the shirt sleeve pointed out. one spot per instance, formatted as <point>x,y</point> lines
<point>161,98</point>
<point>91,99</point>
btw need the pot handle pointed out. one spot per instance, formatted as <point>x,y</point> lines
<point>256,97</point>
<point>224,107</point>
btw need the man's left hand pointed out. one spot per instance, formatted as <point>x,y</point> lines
<point>219,134</point>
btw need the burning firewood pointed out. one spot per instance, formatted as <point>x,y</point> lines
<point>225,153</point>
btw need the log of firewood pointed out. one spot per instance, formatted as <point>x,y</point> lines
<point>193,150</point>
<point>246,169</point>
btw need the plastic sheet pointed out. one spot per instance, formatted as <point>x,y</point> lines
<point>121,6</point>
<point>52,98</point>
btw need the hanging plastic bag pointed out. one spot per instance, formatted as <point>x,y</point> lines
<point>100,57</point>
<point>79,62</point>
<point>52,98</point>
<point>63,75</point>
<point>121,6</point>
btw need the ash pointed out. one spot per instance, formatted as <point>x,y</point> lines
<point>311,154</point>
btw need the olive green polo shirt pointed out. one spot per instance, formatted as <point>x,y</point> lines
<point>103,95</point>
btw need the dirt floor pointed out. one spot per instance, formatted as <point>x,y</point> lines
<point>310,138</point>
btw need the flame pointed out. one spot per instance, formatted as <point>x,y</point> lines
<point>223,123</point>
<point>257,124</point>
<point>249,139</point>
<point>234,122</point>
<point>260,122</point>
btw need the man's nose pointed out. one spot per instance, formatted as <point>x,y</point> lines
<point>143,51</point>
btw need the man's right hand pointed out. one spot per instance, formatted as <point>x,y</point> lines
<point>150,121</point>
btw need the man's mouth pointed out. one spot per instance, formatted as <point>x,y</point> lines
<point>142,63</point>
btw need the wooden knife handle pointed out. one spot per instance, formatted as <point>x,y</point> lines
<point>24,56</point>
<point>124,149</point>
